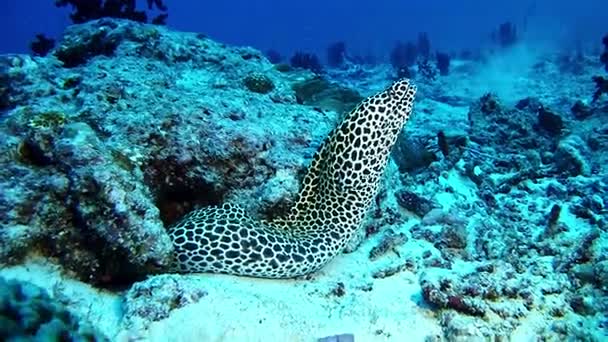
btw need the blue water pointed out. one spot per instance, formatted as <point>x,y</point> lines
<point>366,26</point>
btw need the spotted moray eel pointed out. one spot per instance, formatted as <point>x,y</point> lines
<point>336,193</point>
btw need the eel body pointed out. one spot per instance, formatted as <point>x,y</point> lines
<point>336,193</point>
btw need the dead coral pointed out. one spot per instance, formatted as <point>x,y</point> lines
<point>414,202</point>
<point>154,299</point>
<point>390,240</point>
<point>408,265</point>
<point>442,294</point>
<point>495,289</point>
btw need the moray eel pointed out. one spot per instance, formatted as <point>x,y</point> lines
<point>337,191</point>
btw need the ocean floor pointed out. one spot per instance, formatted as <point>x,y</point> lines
<point>490,223</point>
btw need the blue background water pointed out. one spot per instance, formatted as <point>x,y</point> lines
<point>366,26</point>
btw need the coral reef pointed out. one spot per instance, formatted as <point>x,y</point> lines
<point>601,87</point>
<point>307,61</point>
<point>403,55</point>
<point>506,34</point>
<point>580,110</point>
<point>154,299</point>
<point>413,202</point>
<point>336,53</point>
<point>604,55</point>
<point>42,45</point>
<point>274,56</point>
<point>81,45</point>
<point>28,313</point>
<point>412,153</point>
<point>327,95</point>
<point>84,10</point>
<point>258,83</point>
<point>423,45</point>
<point>443,63</point>
<point>550,121</point>
<point>427,70</point>
<point>389,241</point>
<point>490,219</point>
<point>97,185</point>
<point>601,83</point>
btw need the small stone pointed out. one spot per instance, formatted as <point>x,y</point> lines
<point>550,122</point>
<point>338,338</point>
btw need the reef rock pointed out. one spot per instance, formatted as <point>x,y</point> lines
<point>125,127</point>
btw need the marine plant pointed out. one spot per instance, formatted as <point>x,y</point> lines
<point>87,10</point>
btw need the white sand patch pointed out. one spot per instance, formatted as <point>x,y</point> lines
<point>461,189</point>
<point>248,309</point>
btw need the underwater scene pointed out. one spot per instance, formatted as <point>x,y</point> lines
<point>323,171</point>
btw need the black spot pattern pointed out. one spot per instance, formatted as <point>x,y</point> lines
<point>337,190</point>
